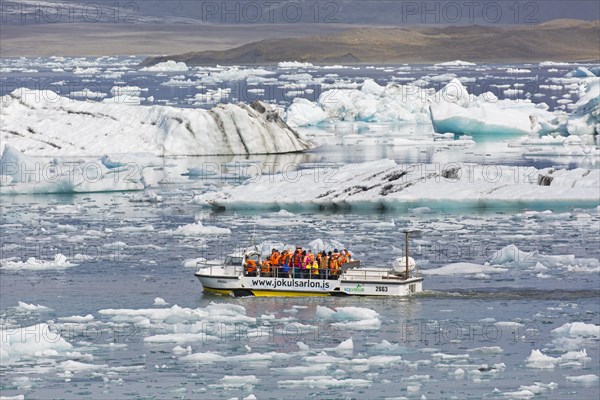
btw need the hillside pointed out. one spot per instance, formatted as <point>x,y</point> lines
<point>569,40</point>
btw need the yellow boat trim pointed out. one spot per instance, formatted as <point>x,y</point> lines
<point>225,292</point>
<point>282,293</point>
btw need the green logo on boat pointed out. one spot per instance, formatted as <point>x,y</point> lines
<point>358,288</point>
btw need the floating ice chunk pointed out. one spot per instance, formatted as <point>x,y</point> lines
<point>24,307</point>
<point>456,63</point>
<point>487,350</point>
<point>197,229</point>
<point>167,66</point>
<point>454,110</point>
<point>63,177</point>
<point>76,366</point>
<point>539,387</point>
<point>294,64</point>
<point>345,313</point>
<point>518,71</point>
<point>537,359</point>
<point>32,341</point>
<point>303,112</point>
<point>159,301</point>
<point>346,346</point>
<point>576,329</point>
<point>385,183</point>
<point>585,119</point>
<point>77,318</point>
<point>583,379</point>
<point>463,268</point>
<point>32,263</point>
<point>203,358</point>
<point>519,394</point>
<point>236,381</point>
<point>179,351</point>
<point>323,382</point>
<point>354,317</point>
<point>580,72</point>
<point>371,87</point>
<point>81,128</point>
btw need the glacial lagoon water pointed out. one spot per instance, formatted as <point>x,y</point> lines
<point>468,336</point>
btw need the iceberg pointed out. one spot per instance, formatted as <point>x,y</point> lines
<point>43,123</point>
<point>167,66</point>
<point>20,174</point>
<point>454,110</point>
<point>39,340</point>
<point>585,119</point>
<point>456,63</point>
<point>386,184</point>
<point>294,64</point>
<point>580,72</point>
<point>374,103</point>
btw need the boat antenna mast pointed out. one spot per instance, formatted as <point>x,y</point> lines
<point>406,252</point>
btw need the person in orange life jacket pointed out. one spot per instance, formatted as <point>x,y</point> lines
<point>297,262</point>
<point>303,259</point>
<point>275,261</point>
<point>334,263</point>
<point>323,263</point>
<point>343,258</point>
<point>265,267</point>
<point>286,263</point>
<point>348,255</point>
<point>250,267</point>
<point>271,264</point>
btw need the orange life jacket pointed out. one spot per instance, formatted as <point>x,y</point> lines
<point>274,259</point>
<point>250,266</point>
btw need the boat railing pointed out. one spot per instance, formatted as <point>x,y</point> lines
<point>212,268</point>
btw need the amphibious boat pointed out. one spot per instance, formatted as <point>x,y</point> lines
<point>232,277</point>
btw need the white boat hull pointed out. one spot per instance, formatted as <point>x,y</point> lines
<point>268,286</point>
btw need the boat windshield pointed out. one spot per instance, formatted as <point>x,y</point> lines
<point>232,260</point>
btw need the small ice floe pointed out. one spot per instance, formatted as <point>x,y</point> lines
<point>487,350</point>
<point>32,263</point>
<point>77,318</point>
<point>180,351</point>
<point>323,382</point>
<point>198,229</point>
<point>38,340</point>
<point>464,268</point>
<point>167,66</point>
<point>357,318</point>
<point>583,379</point>
<point>581,329</point>
<point>347,346</point>
<point>24,307</point>
<point>159,301</point>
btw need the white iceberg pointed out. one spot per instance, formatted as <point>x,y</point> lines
<point>585,119</point>
<point>30,342</point>
<point>392,103</point>
<point>27,175</point>
<point>384,183</point>
<point>454,110</point>
<point>456,63</point>
<point>44,123</point>
<point>167,66</point>
<point>32,263</point>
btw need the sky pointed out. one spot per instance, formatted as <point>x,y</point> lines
<point>370,12</point>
